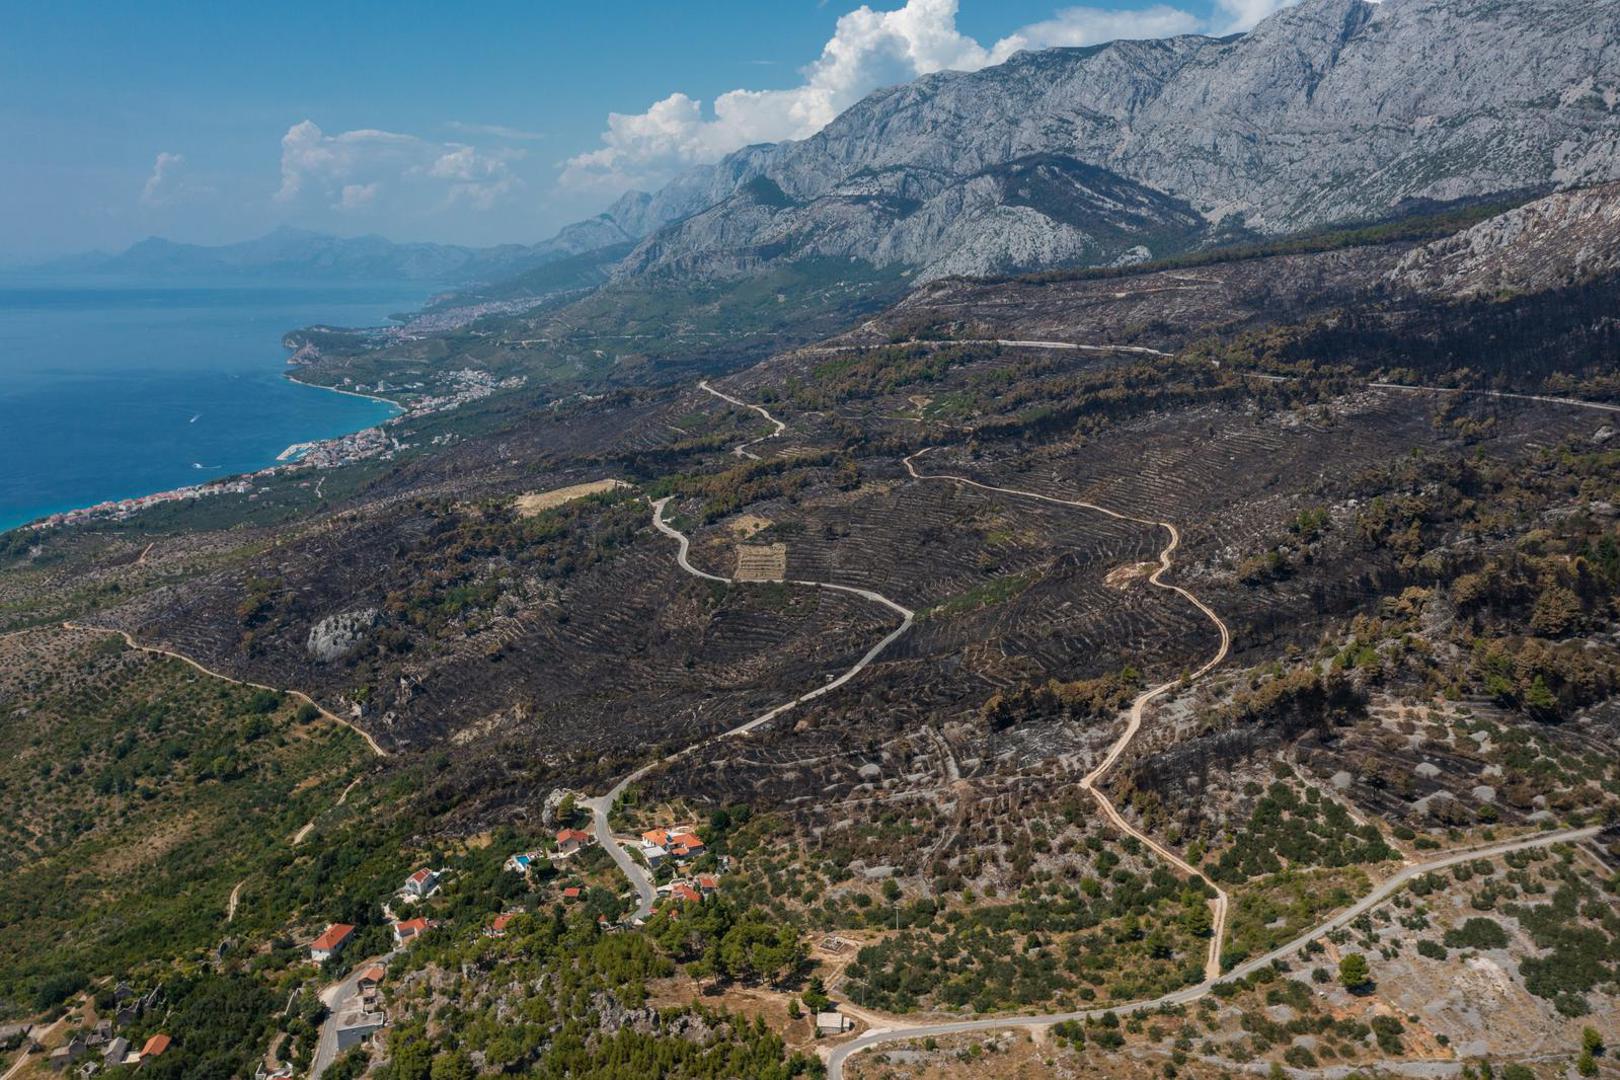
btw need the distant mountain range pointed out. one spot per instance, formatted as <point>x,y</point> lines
<point>297,254</point>
<point>1329,111</point>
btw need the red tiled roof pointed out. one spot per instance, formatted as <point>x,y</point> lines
<point>411,927</point>
<point>421,875</point>
<point>335,935</point>
<point>687,839</point>
<point>156,1045</point>
<point>656,837</point>
<point>571,893</point>
<point>684,891</point>
<point>373,974</point>
<point>577,835</point>
<point>706,883</point>
<point>502,919</point>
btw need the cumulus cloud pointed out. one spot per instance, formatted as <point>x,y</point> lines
<point>163,184</point>
<point>350,170</point>
<point>868,49</point>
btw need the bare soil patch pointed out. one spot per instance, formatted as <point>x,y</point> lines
<point>539,502</point>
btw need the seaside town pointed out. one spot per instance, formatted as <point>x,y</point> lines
<point>457,388</point>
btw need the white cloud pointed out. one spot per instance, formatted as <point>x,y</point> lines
<point>495,131</point>
<point>162,186</point>
<point>350,170</point>
<point>356,196</point>
<point>1089,26</point>
<point>868,49</point>
<point>1241,15</point>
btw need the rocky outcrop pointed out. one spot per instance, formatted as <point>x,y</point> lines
<point>336,636</point>
<point>1559,240</point>
<point>1330,110</point>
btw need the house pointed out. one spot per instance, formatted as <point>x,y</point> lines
<point>571,840</point>
<point>12,1035</point>
<point>67,1053</point>
<point>520,863</point>
<point>116,1052</point>
<point>653,854</point>
<point>502,921</point>
<point>357,1026</point>
<point>707,883</point>
<point>832,1023</point>
<point>330,943</point>
<point>371,978</point>
<point>410,929</point>
<point>155,1046</point>
<point>655,838</point>
<point>683,891</point>
<point>573,892</point>
<point>685,845</point>
<point>421,884</point>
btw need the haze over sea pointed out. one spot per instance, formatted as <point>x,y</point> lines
<point>110,391</point>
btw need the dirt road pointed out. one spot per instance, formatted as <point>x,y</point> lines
<point>1212,961</point>
<point>741,449</point>
<point>602,805</point>
<point>841,1054</point>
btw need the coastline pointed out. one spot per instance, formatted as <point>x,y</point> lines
<point>234,484</point>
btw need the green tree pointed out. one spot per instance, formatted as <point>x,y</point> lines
<point>1354,973</point>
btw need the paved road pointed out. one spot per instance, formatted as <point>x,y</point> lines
<point>335,997</point>
<point>1219,906</point>
<point>835,1060</point>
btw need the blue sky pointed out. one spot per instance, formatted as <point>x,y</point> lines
<point>470,123</point>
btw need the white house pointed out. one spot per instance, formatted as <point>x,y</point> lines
<point>421,884</point>
<point>330,943</point>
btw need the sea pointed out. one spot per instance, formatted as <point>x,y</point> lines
<point>111,391</point>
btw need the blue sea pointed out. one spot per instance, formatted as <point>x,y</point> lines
<point>110,391</point>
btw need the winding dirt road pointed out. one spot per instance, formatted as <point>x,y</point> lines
<point>741,449</point>
<point>376,748</point>
<point>602,805</point>
<point>1212,961</point>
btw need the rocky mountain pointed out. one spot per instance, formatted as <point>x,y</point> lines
<point>1559,240</point>
<point>1329,111</point>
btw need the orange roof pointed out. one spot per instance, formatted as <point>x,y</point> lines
<point>656,837</point>
<point>156,1045</point>
<point>578,835</point>
<point>571,893</point>
<point>502,919</point>
<point>683,891</point>
<point>411,926</point>
<point>708,883</point>
<point>335,935</point>
<point>373,974</point>
<point>687,840</point>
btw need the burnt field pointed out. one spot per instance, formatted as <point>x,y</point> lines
<point>566,647</point>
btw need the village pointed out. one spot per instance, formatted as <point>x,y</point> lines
<point>88,1041</point>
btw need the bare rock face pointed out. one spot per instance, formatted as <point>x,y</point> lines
<point>336,636</point>
<point>1554,241</point>
<point>1327,111</point>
